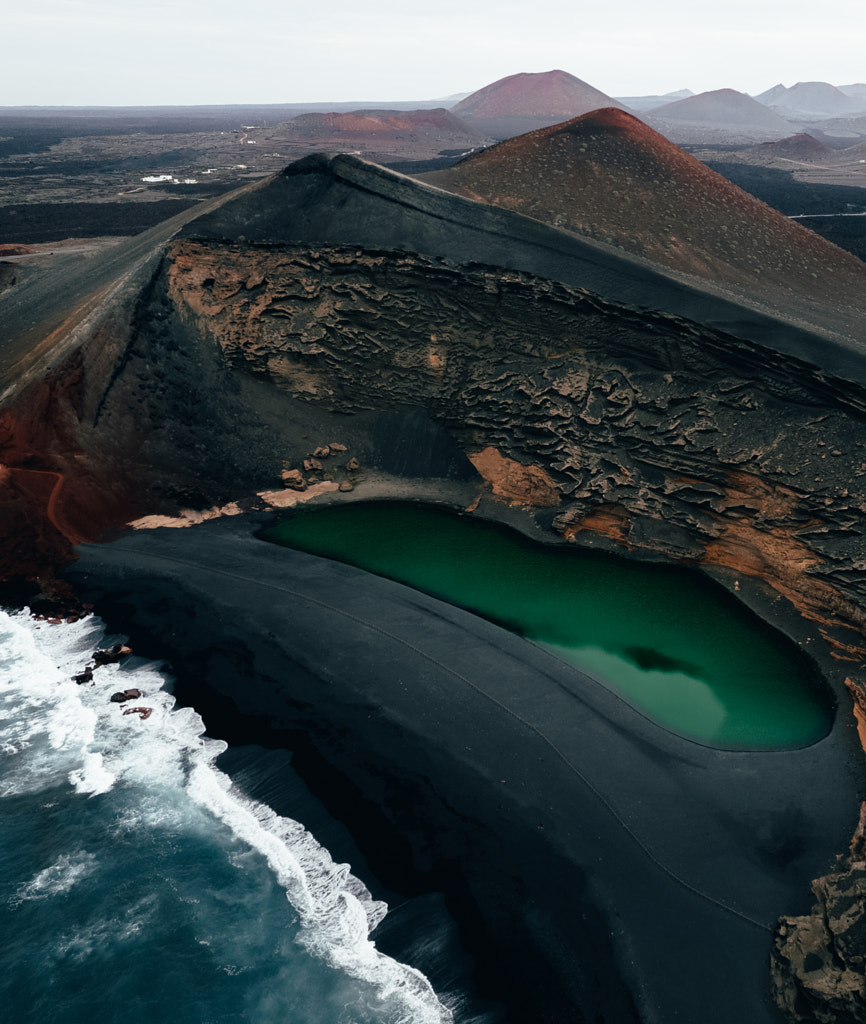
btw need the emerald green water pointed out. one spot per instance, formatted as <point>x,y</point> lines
<point>677,647</point>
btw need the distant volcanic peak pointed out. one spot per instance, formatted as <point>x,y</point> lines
<point>381,120</point>
<point>769,95</point>
<point>722,106</point>
<point>725,98</point>
<point>816,87</point>
<point>813,98</point>
<point>801,145</point>
<point>542,94</point>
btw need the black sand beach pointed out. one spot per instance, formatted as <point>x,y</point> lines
<point>615,871</point>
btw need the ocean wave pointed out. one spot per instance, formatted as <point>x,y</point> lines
<point>74,736</point>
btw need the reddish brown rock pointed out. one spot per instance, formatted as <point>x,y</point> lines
<point>514,482</point>
<point>143,713</point>
<point>294,479</point>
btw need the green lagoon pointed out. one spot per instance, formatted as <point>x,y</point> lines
<point>674,645</point>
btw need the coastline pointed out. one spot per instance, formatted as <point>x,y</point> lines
<point>647,889</point>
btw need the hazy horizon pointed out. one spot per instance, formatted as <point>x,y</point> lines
<point>96,53</point>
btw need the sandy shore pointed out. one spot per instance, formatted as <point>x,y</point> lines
<point>615,871</point>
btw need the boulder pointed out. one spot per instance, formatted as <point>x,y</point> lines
<point>124,695</point>
<point>144,713</point>
<point>111,655</point>
<point>294,479</point>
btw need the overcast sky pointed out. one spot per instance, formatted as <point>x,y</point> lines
<point>114,52</point>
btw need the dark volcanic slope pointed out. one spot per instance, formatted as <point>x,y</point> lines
<point>347,201</point>
<point>608,176</point>
<point>522,102</point>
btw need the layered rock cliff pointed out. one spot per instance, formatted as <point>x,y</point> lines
<point>691,443</point>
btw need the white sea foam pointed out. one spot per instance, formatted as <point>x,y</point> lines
<point>41,711</point>
<point>74,735</point>
<point>59,877</point>
<point>335,908</point>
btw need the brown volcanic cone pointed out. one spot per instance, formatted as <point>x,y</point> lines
<point>549,93</point>
<point>407,134</point>
<point>526,101</point>
<point>381,123</point>
<point>801,149</point>
<point>797,147</point>
<point>608,176</point>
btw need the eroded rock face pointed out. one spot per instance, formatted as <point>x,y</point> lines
<point>819,960</point>
<point>665,436</point>
<point>514,482</point>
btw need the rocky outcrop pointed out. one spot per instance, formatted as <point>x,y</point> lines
<point>122,696</point>
<point>819,960</point>
<point>515,483</point>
